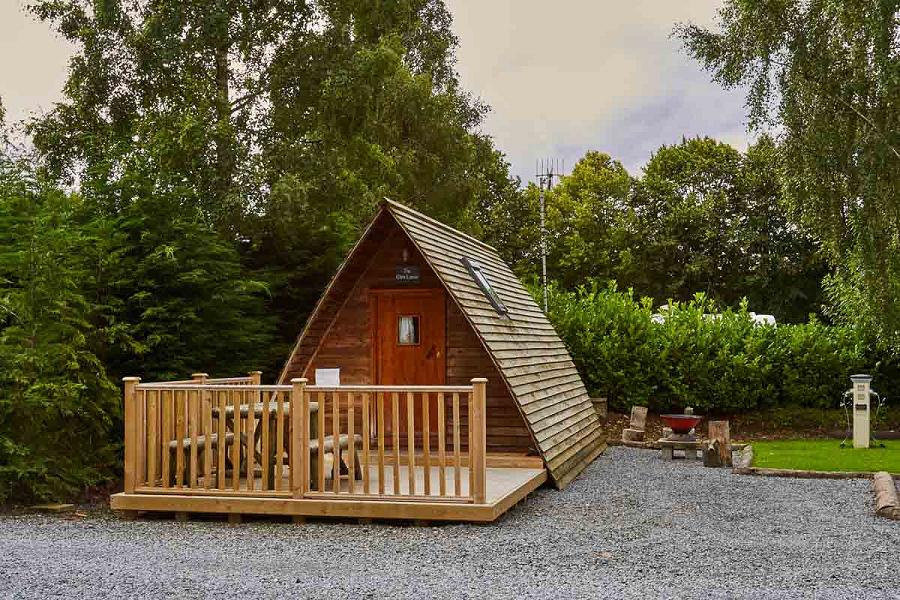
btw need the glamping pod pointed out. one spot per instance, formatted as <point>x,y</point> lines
<point>426,384</point>
<point>418,302</point>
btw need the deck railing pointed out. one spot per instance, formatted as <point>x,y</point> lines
<point>235,436</point>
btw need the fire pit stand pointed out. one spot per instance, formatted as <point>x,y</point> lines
<point>670,446</point>
<point>681,436</point>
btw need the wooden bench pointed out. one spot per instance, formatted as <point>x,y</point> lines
<point>186,444</point>
<point>328,448</point>
<point>668,447</point>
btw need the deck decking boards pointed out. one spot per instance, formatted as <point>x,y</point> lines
<point>504,487</point>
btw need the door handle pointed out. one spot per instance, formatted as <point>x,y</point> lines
<point>432,352</point>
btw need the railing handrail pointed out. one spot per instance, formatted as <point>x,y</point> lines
<point>228,379</point>
<point>213,387</point>
<point>390,388</point>
<point>310,388</point>
<point>177,408</point>
<point>176,382</point>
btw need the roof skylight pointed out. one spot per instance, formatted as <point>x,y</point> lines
<point>480,276</point>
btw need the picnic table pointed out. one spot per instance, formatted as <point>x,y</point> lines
<point>258,410</point>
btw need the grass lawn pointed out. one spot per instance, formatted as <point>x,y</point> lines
<point>825,455</point>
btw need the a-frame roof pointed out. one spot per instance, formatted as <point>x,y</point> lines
<point>528,354</point>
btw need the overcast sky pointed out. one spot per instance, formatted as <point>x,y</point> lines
<point>561,77</point>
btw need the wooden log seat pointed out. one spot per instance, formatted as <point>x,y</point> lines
<point>635,431</point>
<point>632,435</point>
<point>328,445</point>
<point>212,440</point>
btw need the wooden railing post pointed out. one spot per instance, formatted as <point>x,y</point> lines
<point>206,427</point>
<point>299,460</point>
<point>478,437</point>
<point>253,398</point>
<point>205,407</point>
<point>131,432</point>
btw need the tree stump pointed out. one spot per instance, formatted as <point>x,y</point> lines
<point>719,443</point>
<point>600,406</point>
<point>711,456</point>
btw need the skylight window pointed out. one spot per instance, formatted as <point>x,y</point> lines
<point>480,276</point>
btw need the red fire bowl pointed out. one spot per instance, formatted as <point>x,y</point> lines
<point>681,424</point>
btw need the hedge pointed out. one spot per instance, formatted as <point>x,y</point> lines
<point>721,364</point>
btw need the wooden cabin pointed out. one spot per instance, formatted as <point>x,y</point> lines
<point>427,373</point>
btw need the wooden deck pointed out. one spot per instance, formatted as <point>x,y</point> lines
<point>370,466</point>
<point>505,487</point>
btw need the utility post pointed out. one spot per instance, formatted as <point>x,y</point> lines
<point>545,171</point>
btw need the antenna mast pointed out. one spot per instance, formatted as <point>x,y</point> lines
<point>545,170</point>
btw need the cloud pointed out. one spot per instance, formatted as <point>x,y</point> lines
<point>561,77</point>
<point>34,66</point>
<point>566,77</point>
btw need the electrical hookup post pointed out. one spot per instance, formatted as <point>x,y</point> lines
<point>862,410</point>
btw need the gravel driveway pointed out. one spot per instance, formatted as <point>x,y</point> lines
<point>631,526</point>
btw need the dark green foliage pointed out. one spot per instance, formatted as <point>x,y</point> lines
<point>719,365</point>
<point>57,406</point>
<point>175,298</point>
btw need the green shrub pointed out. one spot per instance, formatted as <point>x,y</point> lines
<point>722,364</point>
<point>57,405</point>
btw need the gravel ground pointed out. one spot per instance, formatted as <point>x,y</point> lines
<point>631,526</point>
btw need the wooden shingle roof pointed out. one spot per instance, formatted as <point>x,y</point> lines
<point>529,355</point>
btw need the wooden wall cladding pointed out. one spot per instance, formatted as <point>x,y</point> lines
<point>347,343</point>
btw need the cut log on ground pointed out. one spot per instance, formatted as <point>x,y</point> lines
<point>745,459</point>
<point>601,407</point>
<point>886,502</point>
<point>632,435</point>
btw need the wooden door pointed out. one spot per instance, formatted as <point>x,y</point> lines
<point>410,343</point>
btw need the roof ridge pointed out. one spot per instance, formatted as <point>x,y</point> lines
<point>392,204</point>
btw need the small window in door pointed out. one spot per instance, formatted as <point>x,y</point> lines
<point>408,330</point>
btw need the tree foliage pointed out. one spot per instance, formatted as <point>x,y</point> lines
<point>57,405</point>
<point>281,123</point>
<point>826,74</point>
<point>703,217</point>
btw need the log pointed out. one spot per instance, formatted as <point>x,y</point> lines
<point>745,459</point>
<point>886,502</point>
<point>638,418</point>
<point>711,456</point>
<point>719,431</point>
<point>600,406</point>
<point>632,435</point>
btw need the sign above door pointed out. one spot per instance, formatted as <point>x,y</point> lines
<point>408,274</point>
